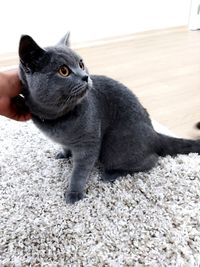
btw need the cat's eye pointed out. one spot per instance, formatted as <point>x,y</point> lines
<point>81,65</point>
<point>64,71</point>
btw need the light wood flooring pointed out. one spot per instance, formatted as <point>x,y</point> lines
<point>161,67</point>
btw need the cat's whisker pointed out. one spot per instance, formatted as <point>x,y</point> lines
<point>75,89</point>
<point>78,90</point>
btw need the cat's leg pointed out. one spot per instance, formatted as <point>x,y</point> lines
<point>110,175</point>
<point>83,162</point>
<point>64,154</point>
<point>145,164</point>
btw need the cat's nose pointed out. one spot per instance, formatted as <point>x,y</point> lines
<point>85,78</point>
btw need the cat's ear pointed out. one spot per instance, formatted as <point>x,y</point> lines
<point>29,50</point>
<point>65,40</point>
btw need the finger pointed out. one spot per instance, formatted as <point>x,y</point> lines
<point>14,83</point>
<point>4,106</point>
<point>24,117</point>
<point>14,109</point>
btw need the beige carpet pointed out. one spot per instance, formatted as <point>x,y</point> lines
<point>149,219</point>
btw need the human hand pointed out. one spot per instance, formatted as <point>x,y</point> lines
<point>12,105</point>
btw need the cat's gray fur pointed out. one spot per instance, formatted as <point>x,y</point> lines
<point>91,117</point>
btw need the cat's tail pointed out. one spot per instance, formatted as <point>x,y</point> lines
<point>168,145</point>
<point>198,125</point>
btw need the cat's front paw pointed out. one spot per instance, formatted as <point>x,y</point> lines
<point>109,178</point>
<point>64,155</point>
<point>112,175</point>
<point>72,197</point>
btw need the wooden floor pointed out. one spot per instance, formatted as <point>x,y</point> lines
<point>161,67</point>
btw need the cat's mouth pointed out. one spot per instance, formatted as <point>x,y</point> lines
<point>77,94</point>
<point>75,97</point>
<point>80,93</point>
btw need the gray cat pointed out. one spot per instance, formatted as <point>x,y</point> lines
<point>94,118</point>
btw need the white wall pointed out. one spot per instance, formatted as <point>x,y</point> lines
<point>194,22</point>
<point>48,20</point>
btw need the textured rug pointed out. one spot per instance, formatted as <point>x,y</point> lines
<point>149,219</point>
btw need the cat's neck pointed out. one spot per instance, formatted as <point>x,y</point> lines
<point>67,115</point>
